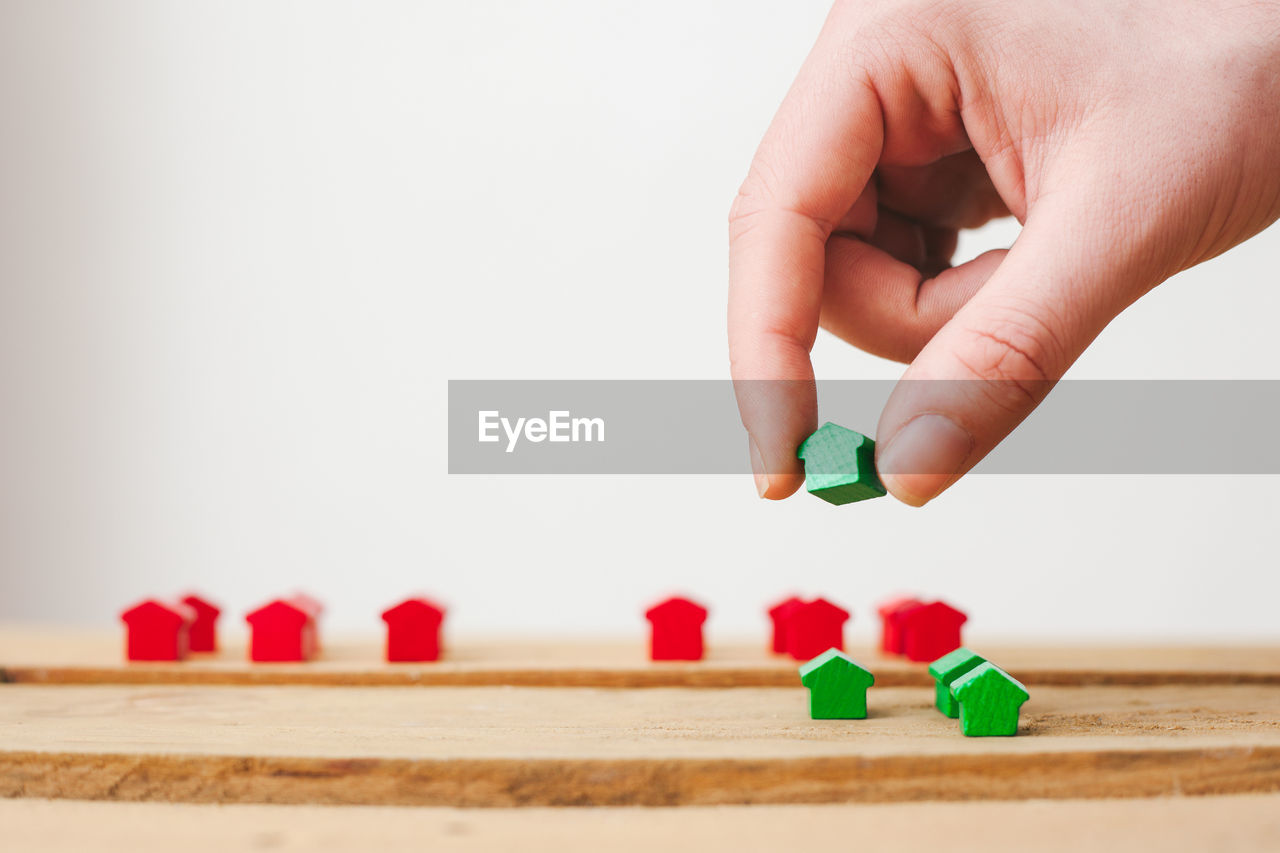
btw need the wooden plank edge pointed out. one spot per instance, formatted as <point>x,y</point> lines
<point>507,783</point>
<point>693,676</point>
<point>419,677</point>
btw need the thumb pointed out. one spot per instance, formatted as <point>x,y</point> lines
<point>999,356</point>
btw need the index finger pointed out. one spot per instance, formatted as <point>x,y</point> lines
<point>813,164</point>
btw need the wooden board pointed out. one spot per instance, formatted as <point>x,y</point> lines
<point>52,656</point>
<point>1170,825</point>
<point>503,746</point>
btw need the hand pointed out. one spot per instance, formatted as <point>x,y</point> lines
<point>1131,138</point>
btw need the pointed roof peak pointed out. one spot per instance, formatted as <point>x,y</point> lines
<point>173,609</point>
<point>830,431</point>
<point>934,608</point>
<point>898,602</point>
<point>832,449</point>
<point>954,660</point>
<point>821,604</point>
<point>283,606</point>
<point>201,604</point>
<point>676,605</point>
<point>416,604</point>
<point>791,602</point>
<point>832,657</point>
<point>988,672</point>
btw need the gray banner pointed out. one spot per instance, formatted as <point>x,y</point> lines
<point>692,427</point>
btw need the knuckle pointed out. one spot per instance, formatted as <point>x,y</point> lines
<point>755,196</point>
<point>891,29</point>
<point>1016,359</point>
<point>743,210</point>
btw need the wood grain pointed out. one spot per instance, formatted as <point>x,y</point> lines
<point>654,747</point>
<point>1171,825</point>
<point>52,656</point>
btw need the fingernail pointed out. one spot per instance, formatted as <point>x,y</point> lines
<point>922,457</point>
<point>757,468</point>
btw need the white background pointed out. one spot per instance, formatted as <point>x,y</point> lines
<point>243,245</point>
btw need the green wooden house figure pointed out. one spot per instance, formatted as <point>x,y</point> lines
<point>837,686</point>
<point>947,669</point>
<point>989,701</point>
<point>839,465</point>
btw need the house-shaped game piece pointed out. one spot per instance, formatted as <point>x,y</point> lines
<point>157,630</point>
<point>677,629</point>
<point>779,614</point>
<point>930,630</point>
<point>989,701</point>
<point>837,686</point>
<point>203,633</point>
<point>839,465</point>
<point>413,630</point>
<point>814,627</point>
<point>891,623</point>
<point>283,630</point>
<point>946,670</point>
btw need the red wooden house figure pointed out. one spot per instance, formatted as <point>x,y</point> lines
<point>413,630</point>
<point>779,614</point>
<point>931,630</point>
<point>283,630</point>
<point>814,627</point>
<point>891,623</point>
<point>203,633</point>
<point>157,630</point>
<point>677,629</point>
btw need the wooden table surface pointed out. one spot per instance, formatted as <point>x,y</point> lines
<point>512,746</point>
<point>1170,825</point>
<point>34,655</point>
<point>1111,744</point>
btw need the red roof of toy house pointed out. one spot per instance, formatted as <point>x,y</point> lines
<point>154,612</point>
<point>677,609</point>
<point>414,609</point>
<point>202,606</point>
<point>286,611</point>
